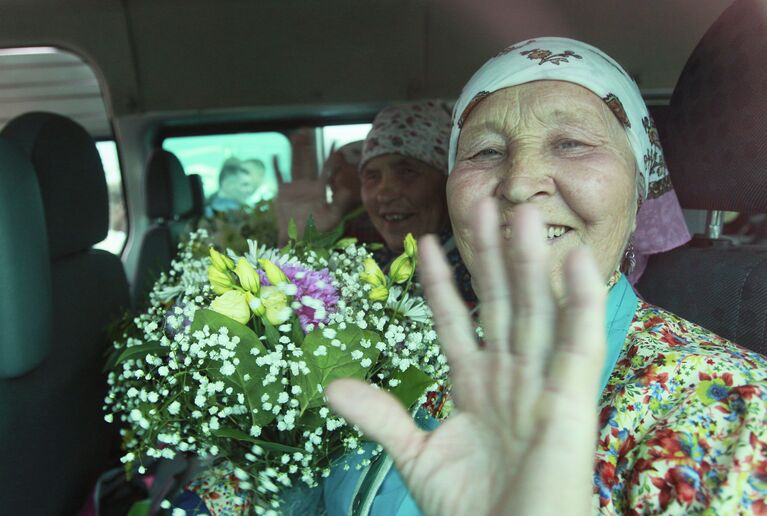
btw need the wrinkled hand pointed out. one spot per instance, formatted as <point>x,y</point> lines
<point>300,198</point>
<point>523,435</point>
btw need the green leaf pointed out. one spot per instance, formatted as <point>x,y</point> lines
<point>298,333</point>
<point>292,229</point>
<point>310,232</point>
<point>140,508</point>
<point>239,435</point>
<point>252,387</point>
<point>272,335</point>
<point>335,363</point>
<point>413,383</point>
<point>139,352</point>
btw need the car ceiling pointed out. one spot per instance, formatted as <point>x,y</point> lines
<point>233,56</point>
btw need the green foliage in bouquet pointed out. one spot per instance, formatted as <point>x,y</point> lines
<point>231,359</point>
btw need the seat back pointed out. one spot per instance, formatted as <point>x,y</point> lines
<point>198,196</point>
<point>715,134</point>
<point>55,441</point>
<point>170,207</point>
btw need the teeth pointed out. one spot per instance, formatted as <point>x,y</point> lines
<point>394,218</point>
<point>554,232</point>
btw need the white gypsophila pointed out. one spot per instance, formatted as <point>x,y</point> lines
<point>174,397</point>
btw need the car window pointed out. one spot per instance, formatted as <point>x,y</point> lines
<point>58,81</point>
<point>339,135</point>
<point>206,155</point>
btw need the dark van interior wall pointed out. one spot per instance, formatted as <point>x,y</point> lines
<point>179,55</point>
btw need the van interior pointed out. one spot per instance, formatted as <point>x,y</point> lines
<point>170,88</point>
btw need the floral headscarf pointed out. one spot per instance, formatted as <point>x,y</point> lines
<point>660,223</point>
<point>419,130</point>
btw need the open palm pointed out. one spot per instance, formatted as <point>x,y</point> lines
<point>523,435</point>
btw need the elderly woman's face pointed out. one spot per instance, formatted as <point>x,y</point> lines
<point>558,146</point>
<point>403,195</point>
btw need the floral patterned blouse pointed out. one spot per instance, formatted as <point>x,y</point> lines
<point>683,423</point>
<point>683,427</point>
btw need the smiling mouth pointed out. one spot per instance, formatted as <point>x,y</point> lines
<point>396,217</point>
<point>552,233</point>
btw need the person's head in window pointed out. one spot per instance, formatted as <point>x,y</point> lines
<point>404,169</point>
<point>235,185</point>
<point>257,170</point>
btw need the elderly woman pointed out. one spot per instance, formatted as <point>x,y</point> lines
<point>567,407</point>
<point>403,172</point>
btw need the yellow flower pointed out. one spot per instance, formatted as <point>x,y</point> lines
<point>273,273</point>
<point>255,304</point>
<point>275,304</point>
<point>401,269</point>
<point>220,280</point>
<point>220,261</point>
<point>380,293</point>
<point>248,276</point>
<point>232,304</point>
<point>373,273</point>
<point>411,246</point>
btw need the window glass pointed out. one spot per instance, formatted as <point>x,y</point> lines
<point>209,155</point>
<point>58,81</point>
<point>118,227</point>
<point>340,135</point>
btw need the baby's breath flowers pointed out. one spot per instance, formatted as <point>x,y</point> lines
<point>231,360</point>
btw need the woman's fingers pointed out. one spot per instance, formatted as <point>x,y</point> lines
<point>451,318</point>
<point>534,318</point>
<point>379,415</point>
<point>576,365</point>
<point>493,290</point>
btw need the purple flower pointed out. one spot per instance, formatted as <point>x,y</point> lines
<point>313,288</point>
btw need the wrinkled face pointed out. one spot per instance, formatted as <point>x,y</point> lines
<point>555,145</point>
<point>403,195</point>
<point>344,180</point>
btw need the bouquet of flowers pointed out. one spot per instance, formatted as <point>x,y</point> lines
<point>230,361</point>
<point>232,229</point>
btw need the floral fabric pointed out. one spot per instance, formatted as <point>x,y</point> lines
<point>683,423</point>
<point>660,223</point>
<point>419,130</point>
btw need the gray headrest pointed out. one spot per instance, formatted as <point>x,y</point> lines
<point>71,178</point>
<point>168,194</point>
<point>198,195</point>
<point>716,144</point>
<point>25,267</point>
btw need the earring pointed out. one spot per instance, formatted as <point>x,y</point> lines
<point>629,259</point>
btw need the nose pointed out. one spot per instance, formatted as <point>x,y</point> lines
<point>389,188</point>
<point>526,179</point>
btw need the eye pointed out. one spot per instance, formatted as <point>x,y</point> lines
<point>571,145</point>
<point>486,153</point>
<point>369,176</point>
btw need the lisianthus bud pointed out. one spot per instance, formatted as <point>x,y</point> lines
<point>401,269</point>
<point>220,280</point>
<point>248,276</point>
<point>221,261</point>
<point>273,273</point>
<point>346,242</point>
<point>255,304</point>
<point>379,294</point>
<point>275,304</point>
<point>373,273</point>
<point>232,304</point>
<point>411,246</point>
